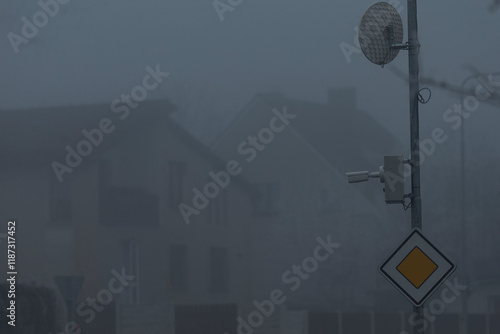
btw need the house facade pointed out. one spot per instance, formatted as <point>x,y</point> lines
<point>104,206</point>
<point>300,171</point>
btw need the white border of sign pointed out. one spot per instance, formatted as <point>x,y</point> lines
<point>417,295</point>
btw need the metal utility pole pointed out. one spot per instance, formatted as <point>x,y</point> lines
<point>380,37</point>
<point>463,271</point>
<point>416,206</point>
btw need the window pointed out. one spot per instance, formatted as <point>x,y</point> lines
<point>177,271</point>
<point>494,305</point>
<point>327,200</point>
<point>128,207</point>
<point>219,270</point>
<point>59,201</point>
<point>176,173</point>
<point>217,211</point>
<point>105,174</point>
<point>131,255</point>
<point>268,199</point>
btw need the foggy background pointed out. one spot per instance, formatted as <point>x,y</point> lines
<point>93,51</point>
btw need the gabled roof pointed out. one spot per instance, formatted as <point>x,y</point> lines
<point>53,127</point>
<point>40,135</point>
<point>348,138</point>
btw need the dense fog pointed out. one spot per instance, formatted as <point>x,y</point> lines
<point>180,167</point>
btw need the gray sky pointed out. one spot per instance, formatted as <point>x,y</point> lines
<point>93,51</point>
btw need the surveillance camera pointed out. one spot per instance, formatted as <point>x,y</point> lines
<point>354,177</point>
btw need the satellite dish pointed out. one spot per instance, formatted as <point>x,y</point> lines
<point>381,33</point>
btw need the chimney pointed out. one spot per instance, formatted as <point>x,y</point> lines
<point>342,99</point>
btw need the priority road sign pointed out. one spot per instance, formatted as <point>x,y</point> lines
<point>417,268</point>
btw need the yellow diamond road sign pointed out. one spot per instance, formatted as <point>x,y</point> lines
<point>416,268</point>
